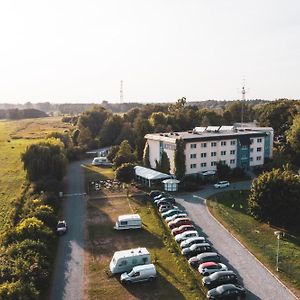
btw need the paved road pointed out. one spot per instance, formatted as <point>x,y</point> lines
<point>68,273</point>
<point>256,278</point>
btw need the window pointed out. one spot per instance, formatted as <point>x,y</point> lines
<point>251,149</point>
<point>223,152</point>
<point>203,154</point>
<point>258,158</point>
<point>213,144</point>
<point>223,162</point>
<point>223,143</point>
<point>193,146</point>
<point>232,152</point>
<point>213,154</point>
<point>258,149</point>
<point>169,146</point>
<point>251,158</point>
<point>193,166</point>
<point>232,143</point>
<point>203,145</point>
<point>203,164</point>
<point>123,223</point>
<point>244,147</point>
<point>194,155</point>
<point>259,140</point>
<point>123,263</point>
<point>232,161</point>
<point>213,163</point>
<point>251,141</point>
<point>136,274</point>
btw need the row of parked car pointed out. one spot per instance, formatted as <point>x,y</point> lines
<point>220,282</point>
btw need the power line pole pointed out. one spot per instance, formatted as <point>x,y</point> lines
<point>121,91</point>
<point>243,101</point>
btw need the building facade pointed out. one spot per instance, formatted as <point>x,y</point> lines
<point>244,147</point>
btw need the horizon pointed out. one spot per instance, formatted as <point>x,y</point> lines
<point>74,51</point>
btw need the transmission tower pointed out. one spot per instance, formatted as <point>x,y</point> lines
<point>121,91</point>
<point>243,91</point>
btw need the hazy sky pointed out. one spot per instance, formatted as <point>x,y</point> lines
<point>78,51</point>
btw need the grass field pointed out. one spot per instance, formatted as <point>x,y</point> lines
<point>175,279</point>
<point>230,208</point>
<point>15,136</point>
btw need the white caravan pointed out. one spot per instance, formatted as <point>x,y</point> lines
<point>125,260</point>
<point>128,222</point>
<point>101,161</point>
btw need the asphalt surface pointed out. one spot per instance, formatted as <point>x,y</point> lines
<point>68,274</point>
<point>258,281</point>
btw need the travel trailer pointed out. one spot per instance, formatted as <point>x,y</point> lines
<point>125,260</point>
<point>101,161</point>
<point>128,222</point>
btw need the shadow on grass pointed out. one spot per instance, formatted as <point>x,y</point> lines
<point>161,288</point>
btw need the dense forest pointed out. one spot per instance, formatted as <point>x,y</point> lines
<point>18,114</point>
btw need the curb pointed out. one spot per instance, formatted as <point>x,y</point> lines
<point>273,275</point>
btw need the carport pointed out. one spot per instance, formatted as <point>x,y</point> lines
<point>148,177</point>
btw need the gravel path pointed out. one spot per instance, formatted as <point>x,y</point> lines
<point>259,282</point>
<point>69,267</point>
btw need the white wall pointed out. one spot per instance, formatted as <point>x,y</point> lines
<point>153,152</point>
<point>256,154</point>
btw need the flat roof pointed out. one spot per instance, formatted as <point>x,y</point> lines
<point>149,173</point>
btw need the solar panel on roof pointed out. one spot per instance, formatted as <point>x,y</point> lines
<point>226,128</point>
<point>212,128</point>
<point>199,129</point>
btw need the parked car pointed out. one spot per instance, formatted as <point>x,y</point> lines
<point>161,195</point>
<point>165,207</point>
<point>185,235</point>
<point>211,267</point>
<point>164,202</point>
<point>61,227</point>
<point>219,278</point>
<point>196,249</point>
<point>221,184</point>
<point>154,193</point>
<point>171,212</point>
<point>195,261</point>
<point>176,216</point>
<point>166,199</point>
<point>139,273</point>
<point>191,241</point>
<point>182,229</point>
<point>179,222</point>
<point>226,291</point>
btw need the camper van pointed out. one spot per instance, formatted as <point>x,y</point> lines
<point>101,161</point>
<point>128,222</point>
<point>139,273</point>
<point>125,260</point>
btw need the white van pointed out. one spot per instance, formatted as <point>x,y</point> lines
<point>139,273</point>
<point>101,161</point>
<point>128,222</point>
<point>125,260</point>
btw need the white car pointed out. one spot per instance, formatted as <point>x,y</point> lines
<point>211,267</point>
<point>61,227</point>
<point>176,216</point>
<point>191,241</point>
<point>221,184</point>
<point>185,235</point>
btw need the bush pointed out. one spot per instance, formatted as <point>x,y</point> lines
<point>238,173</point>
<point>190,186</point>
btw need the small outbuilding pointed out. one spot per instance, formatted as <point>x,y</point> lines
<point>171,185</point>
<point>149,177</point>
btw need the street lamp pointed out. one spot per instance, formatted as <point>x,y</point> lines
<point>278,234</point>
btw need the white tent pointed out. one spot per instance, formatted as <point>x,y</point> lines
<point>148,176</point>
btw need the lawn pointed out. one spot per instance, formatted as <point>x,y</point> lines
<point>15,136</point>
<point>230,208</point>
<point>175,279</point>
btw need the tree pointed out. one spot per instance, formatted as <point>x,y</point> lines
<point>146,161</point>
<point>223,171</point>
<point>158,121</point>
<point>125,173</point>
<point>110,130</point>
<point>293,138</point>
<point>112,153</point>
<point>179,159</point>
<point>124,155</point>
<point>274,198</point>
<point>45,159</point>
<point>63,137</point>
<point>164,165</point>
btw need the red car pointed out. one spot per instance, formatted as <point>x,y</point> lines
<point>182,229</point>
<point>180,221</point>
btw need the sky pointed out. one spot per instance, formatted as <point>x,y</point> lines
<point>79,51</point>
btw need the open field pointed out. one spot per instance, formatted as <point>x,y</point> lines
<point>175,279</point>
<point>230,208</point>
<point>15,136</point>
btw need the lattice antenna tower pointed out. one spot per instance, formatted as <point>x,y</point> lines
<point>243,91</point>
<point>121,92</point>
